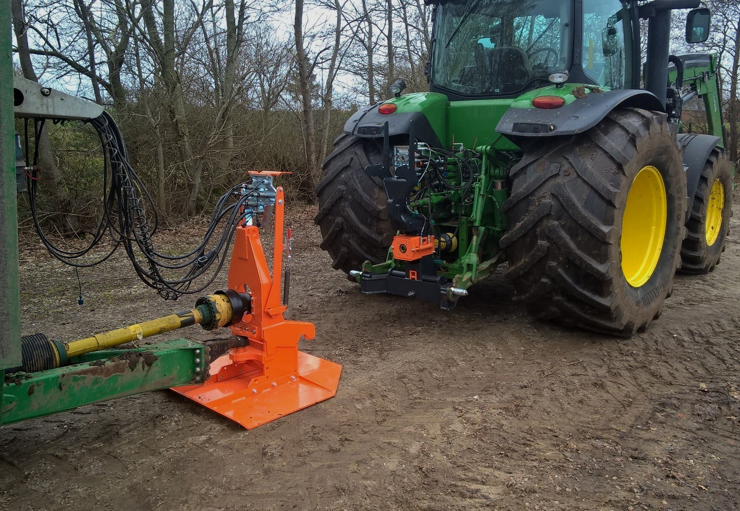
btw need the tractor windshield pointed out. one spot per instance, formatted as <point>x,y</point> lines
<point>490,47</point>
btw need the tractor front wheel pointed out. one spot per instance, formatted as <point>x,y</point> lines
<point>709,220</point>
<point>353,214</point>
<point>596,223</point>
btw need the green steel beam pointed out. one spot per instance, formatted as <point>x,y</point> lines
<point>10,323</point>
<point>120,373</point>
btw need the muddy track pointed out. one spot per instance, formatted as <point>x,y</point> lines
<point>479,407</point>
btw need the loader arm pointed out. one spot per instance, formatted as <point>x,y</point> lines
<point>701,77</point>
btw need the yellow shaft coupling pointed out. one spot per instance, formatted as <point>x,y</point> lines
<point>212,311</point>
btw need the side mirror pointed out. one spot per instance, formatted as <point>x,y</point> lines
<point>609,42</point>
<point>697,25</point>
<point>609,39</point>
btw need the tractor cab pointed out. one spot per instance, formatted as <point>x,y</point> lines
<point>503,48</point>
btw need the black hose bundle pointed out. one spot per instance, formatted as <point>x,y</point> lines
<point>126,202</point>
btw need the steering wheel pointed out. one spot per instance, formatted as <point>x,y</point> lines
<point>550,51</point>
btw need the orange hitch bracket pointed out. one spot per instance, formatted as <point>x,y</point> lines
<point>268,378</point>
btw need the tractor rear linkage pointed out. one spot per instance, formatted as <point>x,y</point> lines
<point>417,249</point>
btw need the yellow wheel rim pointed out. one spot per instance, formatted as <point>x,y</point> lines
<point>714,212</point>
<point>643,226</point>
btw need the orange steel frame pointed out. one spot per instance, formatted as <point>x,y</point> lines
<point>270,377</point>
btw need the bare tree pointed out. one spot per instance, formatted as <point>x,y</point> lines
<point>163,49</point>
<point>50,175</point>
<point>389,41</point>
<point>335,62</point>
<point>368,43</point>
<point>304,84</point>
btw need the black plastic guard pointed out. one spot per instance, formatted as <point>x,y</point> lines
<point>577,117</point>
<point>368,123</point>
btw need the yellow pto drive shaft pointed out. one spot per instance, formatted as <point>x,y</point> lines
<point>217,310</point>
<point>211,312</point>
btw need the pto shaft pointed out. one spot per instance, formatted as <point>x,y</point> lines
<point>215,309</point>
<point>211,312</point>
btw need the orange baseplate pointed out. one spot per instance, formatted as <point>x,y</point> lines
<point>269,378</point>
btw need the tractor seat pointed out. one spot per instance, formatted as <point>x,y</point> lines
<point>504,69</point>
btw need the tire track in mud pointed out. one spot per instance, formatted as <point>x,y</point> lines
<point>479,407</point>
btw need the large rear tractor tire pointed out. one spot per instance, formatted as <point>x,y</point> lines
<point>353,214</point>
<point>596,223</point>
<point>709,220</point>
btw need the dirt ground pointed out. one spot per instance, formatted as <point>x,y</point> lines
<point>480,407</point>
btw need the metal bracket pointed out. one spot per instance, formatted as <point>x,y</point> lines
<point>31,100</point>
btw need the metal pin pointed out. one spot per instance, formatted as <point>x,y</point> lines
<point>456,291</point>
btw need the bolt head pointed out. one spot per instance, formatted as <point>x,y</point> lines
<point>254,391</point>
<point>197,370</point>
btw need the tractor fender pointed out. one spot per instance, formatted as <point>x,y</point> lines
<point>576,117</point>
<point>368,123</point>
<point>696,151</point>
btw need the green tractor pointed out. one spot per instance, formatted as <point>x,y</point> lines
<point>536,146</point>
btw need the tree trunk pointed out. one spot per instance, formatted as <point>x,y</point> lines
<point>329,92</point>
<point>144,100</point>
<point>50,174</point>
<point>409,53</point>
<point>305,90</point>
<point>117,58</point>
<point>734,101</point>
<point>391,55</point>
<point>165,53</point>
<point>81,9</point>
<point>369,51</point>
<point>424,22</point>
<point>225,121</point>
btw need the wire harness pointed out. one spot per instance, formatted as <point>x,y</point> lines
<point>130,220</point>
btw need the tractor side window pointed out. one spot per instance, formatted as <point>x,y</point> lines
<point>540,38</point>
<point>604,55</point>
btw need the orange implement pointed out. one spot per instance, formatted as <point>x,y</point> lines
<point>411,248</point>
<point>269,378</point>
